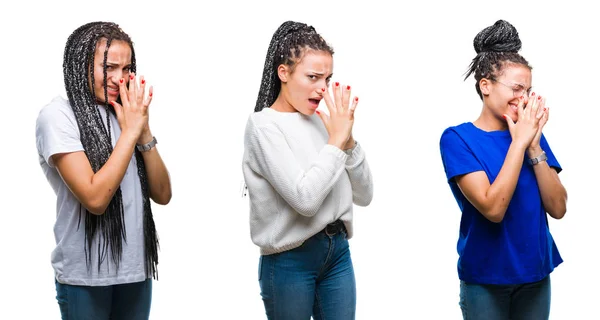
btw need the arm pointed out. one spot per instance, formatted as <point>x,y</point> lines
<point>269,155</point>
<point>94,191</point>
<point>360,175</point>
<point>493,200</point>
<point>553,193</point>
<point>159,181</point>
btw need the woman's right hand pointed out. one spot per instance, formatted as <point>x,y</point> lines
<point>528,121</point>
<point>341,114</point>
<point>133,114</point>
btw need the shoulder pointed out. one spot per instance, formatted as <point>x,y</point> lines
<point>56,111</point>
<point>455,133</point>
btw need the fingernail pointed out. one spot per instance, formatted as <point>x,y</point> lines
<point>504,116</point>
<point>539,97</point>
<point>143,81</point>
<point>318,112</point>
<point>150,94</point>
<point>533,94</point>
<point>113,103</point>
<point>348,88</point>
<point>121,81</point>
<point>323,89</point>
<point>356,99</point>
<point>522,98</point>
<point>337,84</point>
<point>131,77</point>
<point>544,109</point>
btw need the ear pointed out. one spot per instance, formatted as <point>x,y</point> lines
<point>485,86</point>
<point>283,71</point>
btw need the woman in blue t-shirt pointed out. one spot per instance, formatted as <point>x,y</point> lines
<point>504,177</point>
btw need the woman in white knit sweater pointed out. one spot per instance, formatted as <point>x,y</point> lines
<point>303,176</point>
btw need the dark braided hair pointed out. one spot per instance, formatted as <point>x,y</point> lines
<point>496,46</point>
<point>78,67</point>
<point>288,43</point>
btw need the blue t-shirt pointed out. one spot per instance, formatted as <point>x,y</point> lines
<point>517,250</point>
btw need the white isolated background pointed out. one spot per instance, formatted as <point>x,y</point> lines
<point>405,60</point>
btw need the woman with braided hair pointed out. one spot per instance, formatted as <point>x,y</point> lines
<point>504,177</point>
<point>303,174</point>
<point>98,154</point>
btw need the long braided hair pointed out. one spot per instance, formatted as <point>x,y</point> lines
<point>78,68</point>
<point>496,46</point>
<point>287,45</point>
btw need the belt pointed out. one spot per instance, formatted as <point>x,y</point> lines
<point>334,228</point>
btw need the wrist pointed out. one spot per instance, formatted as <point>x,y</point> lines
<point>350,144</point>
<point>533,152</point>
<point>145,137</point>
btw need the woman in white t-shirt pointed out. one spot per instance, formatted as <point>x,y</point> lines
<point>304,172</point>
<point>98,154</point>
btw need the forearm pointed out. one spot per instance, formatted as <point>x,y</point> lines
<point>360,177</point>
<point>159,182</point>
<point>105,182</point>
<point>500,192</point>
<point>553,193</point>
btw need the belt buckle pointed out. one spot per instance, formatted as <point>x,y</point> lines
<point>334,226</point>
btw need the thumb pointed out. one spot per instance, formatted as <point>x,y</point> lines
<point>118,110</point>
<point>323,117</point>
<point>509,121</point>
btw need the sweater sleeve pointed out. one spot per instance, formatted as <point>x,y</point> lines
<point>270,156</point>
<point>360,177</point>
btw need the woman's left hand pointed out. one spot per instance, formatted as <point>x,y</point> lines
<point>534,149</point>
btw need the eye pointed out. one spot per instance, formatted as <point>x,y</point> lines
<point>312,77</point>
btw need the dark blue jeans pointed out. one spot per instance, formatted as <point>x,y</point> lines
<point>529,301</point>
<point>315,279</point>
<point>129,301</point>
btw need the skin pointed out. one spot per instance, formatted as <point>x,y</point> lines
<point>525,118</point>
<point>305,84</point>
<point>95,190</point>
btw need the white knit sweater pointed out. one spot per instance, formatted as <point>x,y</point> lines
<point>297,183</point>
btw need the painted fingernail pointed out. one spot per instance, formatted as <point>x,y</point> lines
<point>539,97</point>
<point>150,94</point>
<point>348,88</point>
<point>504,116</point>
<point>533,94</point>
<point>544,109</point>
<point>323,89</point>
<point>112,103</point>
<point>131,77</point>
<point>143,81</point>
<point>337,84</point>
<point>356,99</point>
<point>121,81</point>
<point>318,112</point>
<point>522,98</point>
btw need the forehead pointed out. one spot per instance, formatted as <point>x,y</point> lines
<point>118,50</point>
<point>517,74</point>
<point>318,61</point>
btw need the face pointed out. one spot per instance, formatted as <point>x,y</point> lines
<point>302,88</point>
<point>118,65</point>
<point>502,96</point>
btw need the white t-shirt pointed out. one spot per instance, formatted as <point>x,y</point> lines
<point>57,132</point>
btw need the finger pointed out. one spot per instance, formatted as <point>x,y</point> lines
<point>132,89</point>
<point>142,91</point>
<point>541,103</point>
<point>328,102</point>
<point>346,97</point>
<point>337,95</point>
<point>533,106</point>
<point>521,108</point>
<point>353,107</point>
<point>124,93</point>
<point>149,98</point>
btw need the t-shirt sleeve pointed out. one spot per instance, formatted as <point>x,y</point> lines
<point>56,132</point>
<point>552,162</point>
<point>457,158</point>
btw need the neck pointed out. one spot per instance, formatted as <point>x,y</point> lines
<point>282,105</point>
<point>488,121</point>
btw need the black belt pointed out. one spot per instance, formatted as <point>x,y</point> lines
<point>334,228</point>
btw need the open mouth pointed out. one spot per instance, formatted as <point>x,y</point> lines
<point>314,102</point>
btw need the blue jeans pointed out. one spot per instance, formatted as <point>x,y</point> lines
<point>529,301</point>
<point>315,279</point>
<point>129,301</point>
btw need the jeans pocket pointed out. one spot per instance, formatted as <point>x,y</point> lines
<point>260,262</point>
